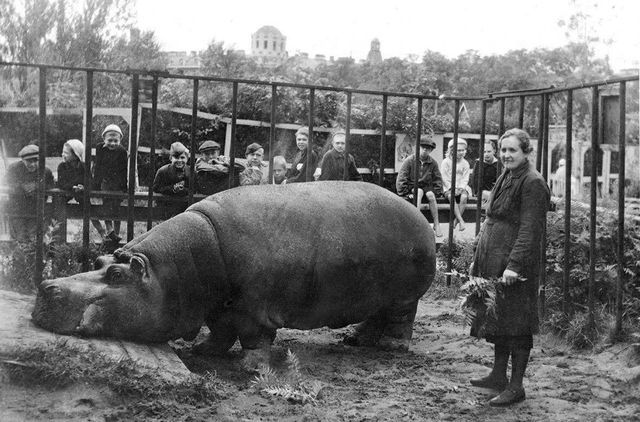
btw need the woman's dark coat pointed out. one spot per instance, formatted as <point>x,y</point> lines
<point>510,238</point>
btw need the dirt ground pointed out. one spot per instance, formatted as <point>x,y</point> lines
<point>430,382</point>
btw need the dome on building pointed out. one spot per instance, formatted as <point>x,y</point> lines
<point>268,43</point>
<point>269,30</point>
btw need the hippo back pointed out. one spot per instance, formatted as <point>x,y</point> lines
<point>324,253</point>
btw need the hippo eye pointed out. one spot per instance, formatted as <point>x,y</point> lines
<point>114,275</point>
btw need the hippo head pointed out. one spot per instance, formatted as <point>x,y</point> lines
<point>118,299</point>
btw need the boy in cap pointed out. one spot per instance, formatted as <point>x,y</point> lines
<point>212,170</point>
<point>255,172</point>
<point>429,179</point>
<point>334,161</point>
<point>461,191</point>
<point>22,179</point>
<point>110,174</point>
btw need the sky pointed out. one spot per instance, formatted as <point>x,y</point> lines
<point>404,27</point>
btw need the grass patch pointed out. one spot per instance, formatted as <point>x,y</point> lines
<point>58,364</point>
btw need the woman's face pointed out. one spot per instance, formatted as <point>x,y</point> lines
<point>67,154</point>
<point>511,153</point>
<point>302,141</point>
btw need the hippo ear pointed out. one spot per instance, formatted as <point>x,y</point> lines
<point>138,266</point>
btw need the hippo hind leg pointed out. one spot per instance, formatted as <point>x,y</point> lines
<point>398,329</point>
<point>222,337</point>
<point>368,332</point>
<point>389,329</point>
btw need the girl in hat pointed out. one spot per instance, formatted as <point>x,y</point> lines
<point>71,169</point>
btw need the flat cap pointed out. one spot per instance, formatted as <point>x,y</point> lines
<point>427,141</point>
<point>209,145</point>
<point>30,151</point>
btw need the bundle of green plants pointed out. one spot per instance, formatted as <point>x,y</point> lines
<point>290,385</point>
<point>478,302</point>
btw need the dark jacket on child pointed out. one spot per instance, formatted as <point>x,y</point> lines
<point>70,175</point>
<point>333,166</point>
<point>110,169</point>
<point>294,175</point>
<point>489,176</point>
<point>429,177</point>
<point>167,176</point>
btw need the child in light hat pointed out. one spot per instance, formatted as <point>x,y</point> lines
<point>461,191</point>
<point>71,169</point>
<point>110,174</point>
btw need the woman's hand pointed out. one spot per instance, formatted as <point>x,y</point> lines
<point>509,277</point>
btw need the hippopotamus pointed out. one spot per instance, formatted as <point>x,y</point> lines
<point>253,259</point>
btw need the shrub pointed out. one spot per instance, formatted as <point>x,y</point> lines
<point>577,328</point>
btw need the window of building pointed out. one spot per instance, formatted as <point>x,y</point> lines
<point>274,46</point>
<point>281,46</point>
<point>257,44</point>
<point>266,44</point>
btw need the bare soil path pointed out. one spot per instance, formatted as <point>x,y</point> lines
<point>430,382</point>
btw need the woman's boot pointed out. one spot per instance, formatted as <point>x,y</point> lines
<point>497,379</point>
<point>514,393</point>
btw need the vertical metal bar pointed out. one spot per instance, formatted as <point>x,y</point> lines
<point>567,205</point>
<point>501,128</point>
<point>232,147</point>
<point>621,179</point>
<point>345,172</point>
<point>521,113</point>
<point>545,138</point>
<point>312,101</point>
<point>416,168</point>
<point>272,129</point>
<point>40,197</point>
<point>383,139</point>
<point>540,132</point>
<point>88,146</point>
<point>480,169</point>
<point>594,185</point>
<point>452,196</point>
<point>133,151</point>
<point>152,150</point>
<point>194,145</point>
<point>542,300</point>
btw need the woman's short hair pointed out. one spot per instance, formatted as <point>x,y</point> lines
<point>303,131</point>
<point>521,136</point>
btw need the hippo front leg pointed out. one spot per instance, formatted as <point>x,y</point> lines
<point>223,335</point>
<point>256,341</point>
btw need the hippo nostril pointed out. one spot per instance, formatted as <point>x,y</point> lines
<point>52,289</point>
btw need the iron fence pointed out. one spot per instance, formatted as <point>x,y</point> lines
<point>542,155</point>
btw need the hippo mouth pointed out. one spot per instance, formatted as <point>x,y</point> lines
<point>68,311</point>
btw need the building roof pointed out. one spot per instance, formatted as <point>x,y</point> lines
<point>269,30</point>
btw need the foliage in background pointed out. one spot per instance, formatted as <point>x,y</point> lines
<point>605,272</point>
<point>17,261</point>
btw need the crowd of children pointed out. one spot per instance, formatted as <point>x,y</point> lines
<point>212,171</point>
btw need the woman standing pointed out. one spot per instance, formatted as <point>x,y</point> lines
<point>508,247</point>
